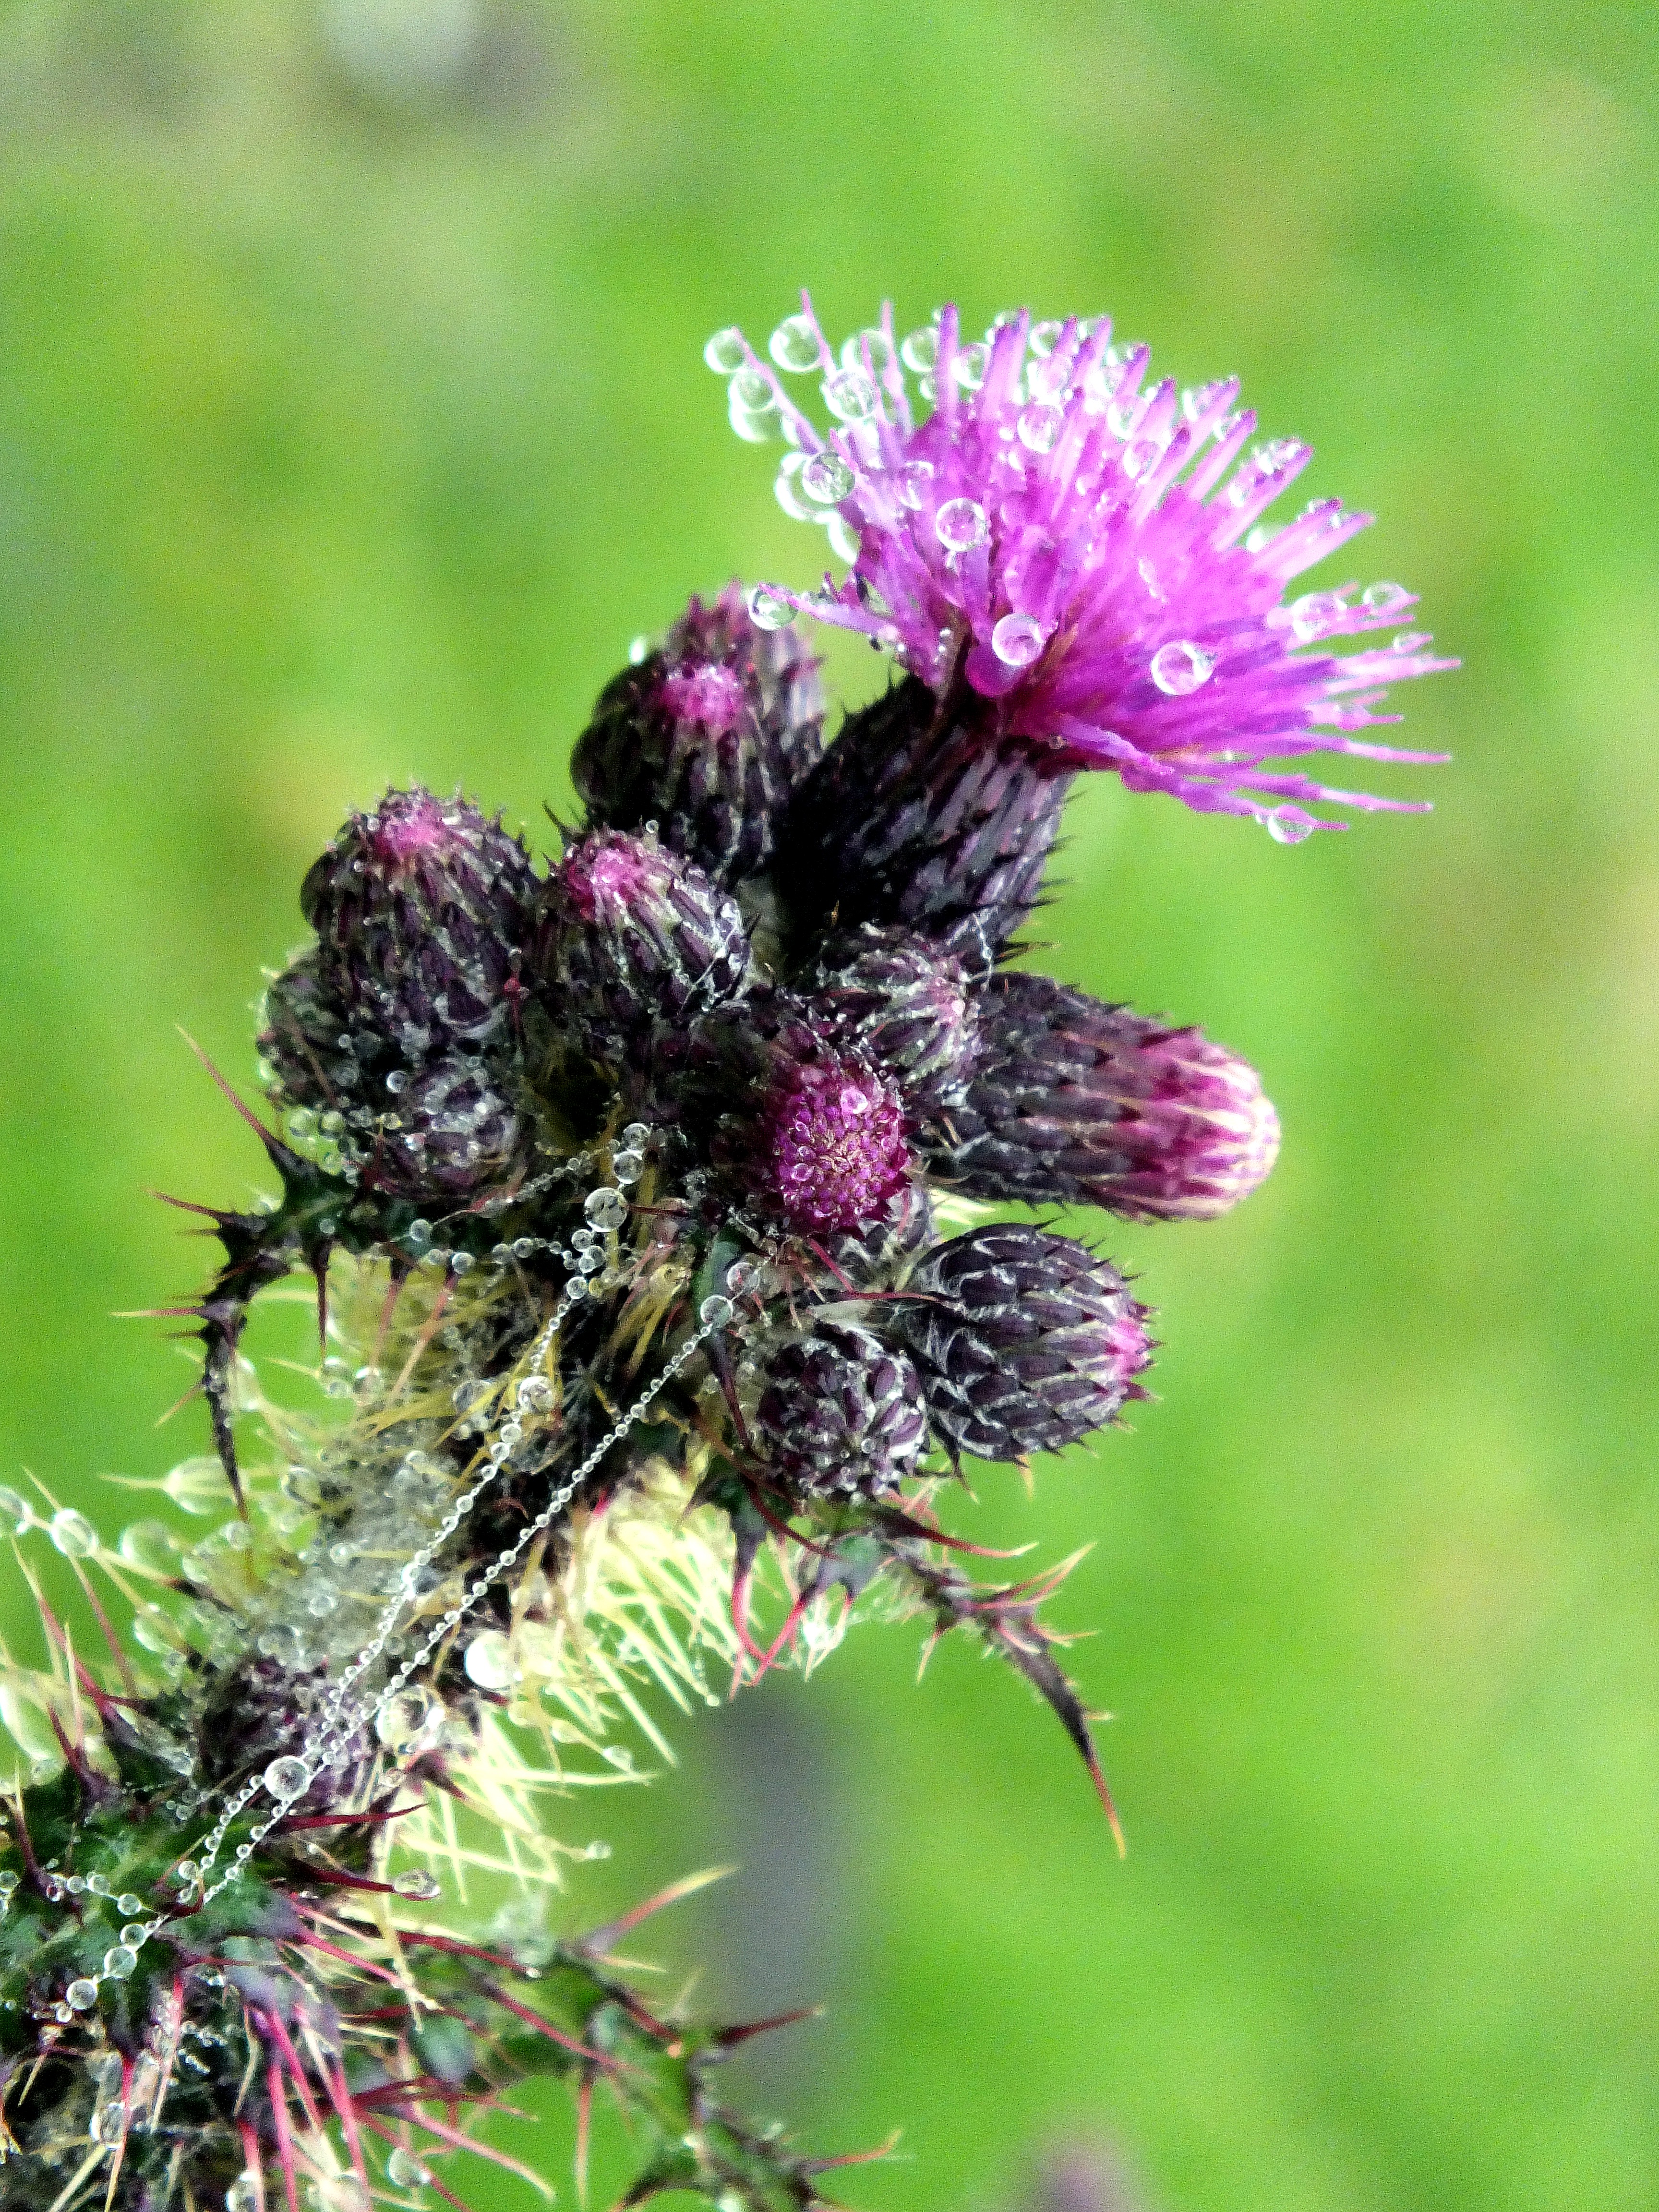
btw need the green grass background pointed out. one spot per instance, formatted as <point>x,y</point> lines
<point>349,431</point>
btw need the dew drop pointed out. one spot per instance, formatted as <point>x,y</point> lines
<point>243,2194</point>
<point>1314,613</point>
<point>715,1312</point>
<point>626,1167</point>
<point>409,1719</point>
<point>826,478</point>
<point>845,541</point>
<point>81,1994</point>
<point>637,1135</point>
<point>120,1960</point>
<point>1181,667</point>
<point>130,1905</point>
<point>1386,599</point>
<point>286,1779</point>
<point>417,1882</point>
<point>916,484</point>
<point>1040,426</point>
<point>795,345</point>
<point>961,523</point>
<point>970,365</point>
<point>489,1661</point>
<point>850,395</point>
<point>919,351</point>
<point>605,1209</point>
<point>1018,640</point>
<point>751,390</point>
<point>15,1514</point>
<point>403,2170</point>
<point>1409,640</point>
<point>768,609</point>
<point>726,352</point>
<point>72,1533</point>
<point>1289,825</point>
<point>1044,338</point>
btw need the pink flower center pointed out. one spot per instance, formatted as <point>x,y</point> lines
<point>834,1150</point>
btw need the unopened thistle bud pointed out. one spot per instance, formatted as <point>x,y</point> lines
<point>828,1149</point>
<point>706,738</point>
<point>456,1129</point>
<point>843,1411</point>
<point>633,939</point>
<point>421,908</point>
<point>921,813</point>
<point>903,1002</point>
<point>1025,1340</point>
<point>1078,1102</point>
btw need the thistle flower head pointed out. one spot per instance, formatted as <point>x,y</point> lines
<point>1094,1105</point>
<point>843,1411</point>
<point>1086,552</point>
<point>420,907</point>
<point>829,1149</point>
<point>705,736</point>
<point>1025,1341</point>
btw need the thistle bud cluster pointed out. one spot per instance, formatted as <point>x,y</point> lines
<point>624,1181</point>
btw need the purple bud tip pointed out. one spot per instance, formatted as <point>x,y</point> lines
<point>607,876</point>
<point>832,1150</point>
<point>407,824</point>
<point>1127,1350</point>
<point>706,693</point>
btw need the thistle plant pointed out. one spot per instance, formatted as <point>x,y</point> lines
<point>657,1201</point>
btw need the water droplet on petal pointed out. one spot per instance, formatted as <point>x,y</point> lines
<point>844,539</point>
<point>1018,640</point>
<point>961,523</point>
<point>751,389</point>
<point>826,478</point>
<point>970,365</point>
<point>795,345</point>
<point>1314,613</point>
<point>1385,598</point>
<point>880,348</point>
<point>726,352</point>
<point>1409,640</point>
<point>1044,338</point>
<point>849,395</point>
<point>921,351</point>
<point>916,484</point>
<point>767,610</point>
<point>1289,825</point>
<point>1181,667</point>
<point>1040,426</point>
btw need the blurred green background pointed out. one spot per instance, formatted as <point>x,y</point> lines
<point>351,423</point>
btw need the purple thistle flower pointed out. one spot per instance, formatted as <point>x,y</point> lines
<point>1087,554</point>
